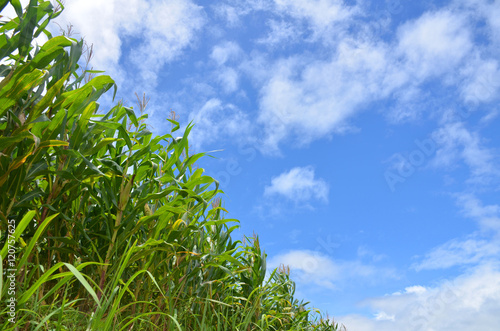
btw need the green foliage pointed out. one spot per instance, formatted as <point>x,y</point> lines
<point>116,228</point>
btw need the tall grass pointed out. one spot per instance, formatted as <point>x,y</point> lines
<point>115,228</point>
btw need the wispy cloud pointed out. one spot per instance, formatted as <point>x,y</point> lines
<point>482,81</point>
<point>224,55</point>
<point>321,15</point>
<point>487,216</point>
<point>230,14</point>
<point>477,248</point>
<point>460,252</point>
<point>281,33</point>
<point>224,52</point>
<point>217,121</point>
<point>316,269</point>
<point>299,185</point>
<point>457,143</point>
<point>468,301</point>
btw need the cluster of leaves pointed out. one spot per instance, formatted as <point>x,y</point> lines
<point>115,227</point>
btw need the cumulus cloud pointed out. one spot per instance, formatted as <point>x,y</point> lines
<point>164,28</point>
<point>216,121</point>
<point>300,96</point>
<point>313,99</point>
<point>309,98</point>
<point>492,11</point>
<point>309,266</point>
<point>229,13</point>
<point>483,81</point>
<point>470,301</point>
<point>435,42</point>
<point>313,268</point>
<point>171,27</point>
<point>224,52</point>
<point>228,78</point>
<point>298,185</point>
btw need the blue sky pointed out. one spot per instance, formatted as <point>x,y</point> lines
<point>359,139</point>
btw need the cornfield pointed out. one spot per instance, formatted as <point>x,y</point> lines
<point>105,225</point>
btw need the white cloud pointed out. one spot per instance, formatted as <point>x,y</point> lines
<point>487,216</point>
<point>434,43</point>
<point>171,27</point>
<point>216,121</point>
<point>321,14</point>
<point>456,142</point>
<point>364,252</point>
<point>476,248</point>
<point>493,15</point>
<point>481,72</point>
<point>409,105</point>
<point>280,32</point>
<point>233,12</point>
<point>459,252</point>
<point>309,98</point>
<point>9,13</point>
<point>229,13</point>
<point>165,28</point>
<point>99,24</point>
<point>224,52</point>
<point>323,20</point>
<point>312,99</point>
<point>299,96</point>
<point>490,11</point>
<point>310,268</point>
<point>298,185</point>
<point>382,316</point>
<point>469,302</point>
<point>482,81</point>
<point>228,78</point>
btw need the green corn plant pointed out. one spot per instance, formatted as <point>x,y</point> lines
<point>115,227</point>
